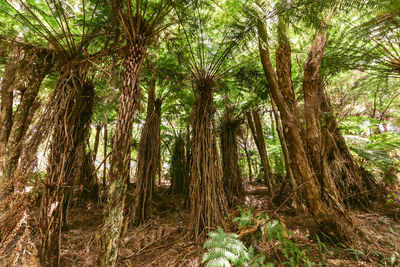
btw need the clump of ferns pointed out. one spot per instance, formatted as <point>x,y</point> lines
<point>269,242</point>
<point>225,250</point>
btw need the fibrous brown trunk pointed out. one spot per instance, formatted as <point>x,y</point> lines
<point>254,122</point>
<point>189,159</point>
<point>178,169</point>
<point>328,211</point>
<point>232,178</point>
<point>7,90</point>
<point>207,199</point>
<point>14,210</point>
<point>105,150</point>
<point>121,153</point>
<point>74,100</point>
<point>148,159</point>
<point>34,66</point>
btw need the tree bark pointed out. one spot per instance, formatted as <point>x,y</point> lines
<point>232,178</point>
<point>33,68</point>
<point>96,142</point>
<point>7,90</point>
<point>74,102</point>
<point>207,199</point>
<point>328,212</point>
<point>121,153</point>
<point>254,122</point>
<point>148,159</point>
<point>178,169</point>
<point>357,187</point>
<point>248,158</point>
<point>105,150</point>
<point>289,173</point>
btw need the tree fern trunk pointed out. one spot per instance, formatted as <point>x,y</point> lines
<point>73,113</point>
<point>328,213</point>
<point>120,161</point>
<point>105,150</point>
<point>148,159</point>
<point>178,169</point>
<point>7,101</point>
<point>35,66</point>
<point>232,179</point>
<point>207,199</point>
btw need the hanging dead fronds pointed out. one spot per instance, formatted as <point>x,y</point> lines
<point>74,96</point>
<point>207,199</point>
<point>206,66</point>
<point>14,209</point>
<point>148,164</point>
<point>178,169</point>
<point>232,180</point>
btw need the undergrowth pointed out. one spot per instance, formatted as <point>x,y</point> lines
<point>268,244</point>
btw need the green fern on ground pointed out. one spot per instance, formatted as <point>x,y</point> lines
<point>225,250</point>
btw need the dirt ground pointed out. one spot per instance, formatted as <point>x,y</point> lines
<point>165,239</point>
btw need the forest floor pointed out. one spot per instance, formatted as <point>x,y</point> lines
<point>165,239</point>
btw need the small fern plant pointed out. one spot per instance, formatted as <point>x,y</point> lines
<point>224,249</point>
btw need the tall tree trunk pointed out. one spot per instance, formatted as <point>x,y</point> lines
<point>178,169</point>
<point>189,161</point>
<point>96,142</point>
<point>7,101</point>
<point>328,212</point>
<point>254,122</point>
<point>121,153</point>
<point>232,178</point>
<point>247,152</point>
<point>248,162</point>
<point>74,100</point>
<point>289,173</point>
<point>34,67</point>
<point>105,150</point>
<point>207,199</point>
<point>148,159</point>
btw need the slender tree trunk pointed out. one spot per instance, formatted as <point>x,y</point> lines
<point>121,153</point>
<point>35,66</point>
<point>148,159</point>
<point>96,142</point>
<point>232,179</point>
<point>256,172</point>
<point>74,99</point>
<point>328,212</point>
<point>189,161</point>
<point>105,150</point>
<point>207,199</point>
<point>254,122</point>
<point>289,173</point>
<point>246,151</point>
<point>7,89</point>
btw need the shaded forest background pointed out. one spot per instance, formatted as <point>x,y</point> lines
<point>181,133</point>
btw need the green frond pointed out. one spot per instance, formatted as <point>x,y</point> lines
<point>224,249</point>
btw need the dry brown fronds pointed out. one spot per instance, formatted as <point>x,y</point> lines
<point>232,180</point>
